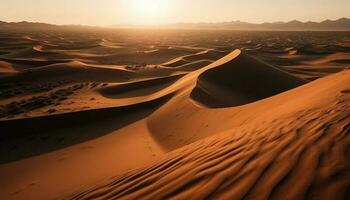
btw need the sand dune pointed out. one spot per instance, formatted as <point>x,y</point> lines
<point>333,58</point>
<point>72,71</point>
<point>25,64</point>
<point>285,155</point>
<point>172,114</point>
<point>6,67</point>
<point>35,53</point>
<point>192,65</point>
<point>109,44</point>
<point>241,81</point>
<point>140,88</point>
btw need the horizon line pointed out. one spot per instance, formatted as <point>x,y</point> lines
<point>173,23</point>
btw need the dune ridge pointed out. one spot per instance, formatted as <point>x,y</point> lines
<point>243,80</point>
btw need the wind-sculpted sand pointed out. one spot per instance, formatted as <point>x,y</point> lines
<point>300,151</point>
<point>174,114</point>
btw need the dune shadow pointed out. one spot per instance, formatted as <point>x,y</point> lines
<point>23,138</point>
<point>240,81</point>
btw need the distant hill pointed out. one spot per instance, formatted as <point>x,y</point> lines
<point>26,25</point>
<point>342,24</point>
<point>37,26</point>
<point>331,25</point>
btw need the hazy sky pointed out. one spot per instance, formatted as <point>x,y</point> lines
<point>108,12</point>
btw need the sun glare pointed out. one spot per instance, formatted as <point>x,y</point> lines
<point>149,11</point>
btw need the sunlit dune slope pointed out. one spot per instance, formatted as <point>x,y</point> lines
<point>297,149</point>
<point>187,115</point>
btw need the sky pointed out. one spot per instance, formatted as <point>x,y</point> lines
<point>143,12</point>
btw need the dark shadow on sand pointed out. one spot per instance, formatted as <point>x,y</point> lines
<point>23,138</point>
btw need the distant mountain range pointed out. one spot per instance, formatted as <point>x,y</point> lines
<point>342,24</point>
<point>25,24</point>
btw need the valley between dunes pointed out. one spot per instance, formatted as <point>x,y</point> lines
<point>101,119</point>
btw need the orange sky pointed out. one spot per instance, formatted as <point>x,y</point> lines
<point>109,12</point>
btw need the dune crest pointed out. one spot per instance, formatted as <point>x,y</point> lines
<point>240,81</point>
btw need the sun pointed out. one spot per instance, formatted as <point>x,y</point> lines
<point>148,11</point>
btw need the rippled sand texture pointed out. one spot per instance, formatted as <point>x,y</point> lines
<point>174,114</point>
<point>302,152</point>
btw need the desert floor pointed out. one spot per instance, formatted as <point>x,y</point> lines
<point>174,114</point>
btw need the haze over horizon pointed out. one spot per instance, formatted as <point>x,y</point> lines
<point>146,12</point>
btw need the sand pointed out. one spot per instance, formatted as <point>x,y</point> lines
<point>179,115</point>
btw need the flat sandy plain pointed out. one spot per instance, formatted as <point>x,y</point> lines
<point>174,114</point>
